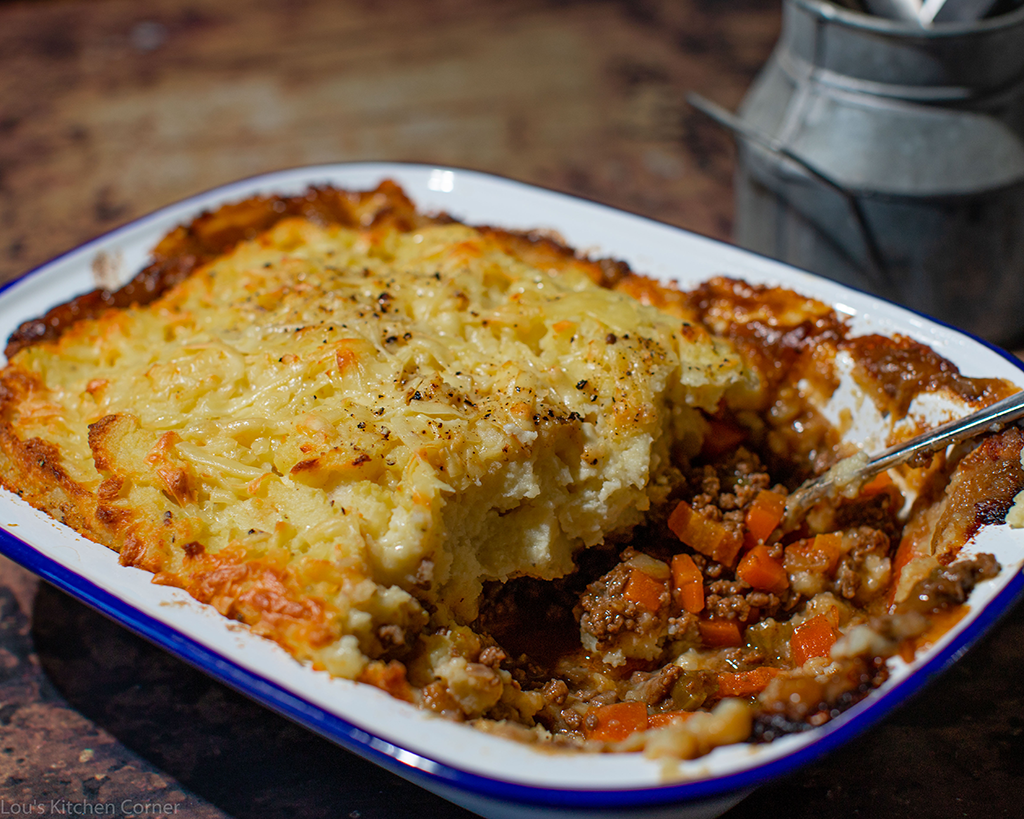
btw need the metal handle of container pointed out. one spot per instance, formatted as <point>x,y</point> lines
<point>878,272</point>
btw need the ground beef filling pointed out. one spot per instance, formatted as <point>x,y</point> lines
<point>617,633</point>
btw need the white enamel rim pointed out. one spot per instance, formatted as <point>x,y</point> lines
<point>460,763</point>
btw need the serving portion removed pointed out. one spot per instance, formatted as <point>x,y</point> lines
<point>514,484</point>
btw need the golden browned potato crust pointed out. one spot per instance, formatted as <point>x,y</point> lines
<point>213,234</point>
<point>328,415</point>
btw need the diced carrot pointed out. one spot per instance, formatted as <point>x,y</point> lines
<point>746,683</point>
<point>668,718</point>
<point>876,485</point>
<point>905,552</point>
<point>616,722</point>
<point>388,677</point>
<point>818,554</point>
<point>762,571</point>
<point>764,514</point>
<point>723,436</point>
<point>644,590</point>
<point>704,535</point>
<point>830,545</point>
<point>720,633</point>
<point>812,638</point>
<point>679,520</point>
<point>688,584</point>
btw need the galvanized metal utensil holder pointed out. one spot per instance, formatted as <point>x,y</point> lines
<point>891,158</point>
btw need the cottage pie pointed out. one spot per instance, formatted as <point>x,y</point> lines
<point>496,478</point>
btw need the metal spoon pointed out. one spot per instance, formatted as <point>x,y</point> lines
<point>850,474</point>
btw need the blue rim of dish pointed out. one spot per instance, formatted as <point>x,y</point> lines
<point>419,767</point>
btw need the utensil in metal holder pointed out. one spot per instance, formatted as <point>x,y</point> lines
<point>891,158</point>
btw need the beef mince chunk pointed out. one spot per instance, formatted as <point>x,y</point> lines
<point>730,485</point>
<point>950,585</point>
<point>711,569</point>
<point>879,512</point>
<point>863,572</point>
<point>735,600</point>
<point>613,623</point>
<point>653,688</point>
<point>555,692</point>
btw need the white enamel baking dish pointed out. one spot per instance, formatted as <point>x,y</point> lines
<point>492,776</point>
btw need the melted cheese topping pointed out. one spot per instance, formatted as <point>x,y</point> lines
<point>329,426</point>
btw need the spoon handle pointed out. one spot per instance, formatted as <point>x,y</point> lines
<point>988,419</point>
<point>1001,412</point>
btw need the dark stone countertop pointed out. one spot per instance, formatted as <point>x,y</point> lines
<point>110,109</point>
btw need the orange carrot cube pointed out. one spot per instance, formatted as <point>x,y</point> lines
<point>720,633</point>
<point>762,571</point>
<point>764,515</point>
<point>746,683</point>
<point>688,584</point>
<point>704,535</point>
<point>812,638</point>
<point>668,718</point>
<point>644,590</point>
<point>616,722</point>
<point>819,554</point>
<point>880,483</point>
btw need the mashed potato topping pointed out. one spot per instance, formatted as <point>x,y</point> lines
<point>330,426</point>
